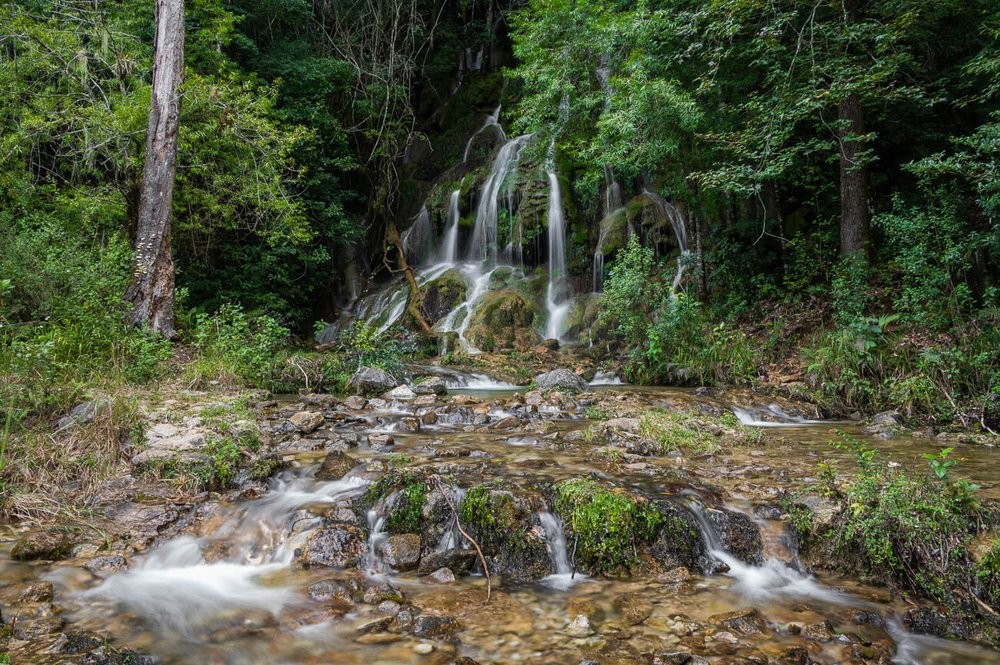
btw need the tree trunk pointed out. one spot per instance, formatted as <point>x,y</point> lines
<point>393,238</point>
<point>853,173</point>
<point>853,178</point>
<point>151,289</point>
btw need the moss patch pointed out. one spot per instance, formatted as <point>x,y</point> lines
<point>609,525</point>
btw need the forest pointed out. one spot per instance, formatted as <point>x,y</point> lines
<point>560,297</point>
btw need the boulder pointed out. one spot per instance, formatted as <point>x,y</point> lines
<point>401,392</point>
<point>335,466</point>
<point>380,441</point>
<point>504,321</point>
<point>433,385</point>
<point>306,421</point>
<point>103,566</point>
<point>428,625</point>
<point>885,425</point>
<point>442,576</point>
<point>458,561</point>
<point>335,546</point>
<point>371,381</point>
<point>561,379</point>
<point>739,534</point>
<point>355,402</point>
<point>51,545</point>
<point>401,551</point>
<point>745,622</point>
<point>439,296</point>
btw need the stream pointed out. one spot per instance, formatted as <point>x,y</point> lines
<point>229,586</point>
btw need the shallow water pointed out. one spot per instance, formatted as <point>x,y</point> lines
<point>227,590</point>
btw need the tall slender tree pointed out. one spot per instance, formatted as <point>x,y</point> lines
<point>151,288</point>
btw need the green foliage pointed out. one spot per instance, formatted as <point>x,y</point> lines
<point>632,293</point>
<point>594,413</point>
<point>236,348</point>
<point>407,511</point>
<point>912,532</point>
<point>608,525</point>
<point>678,431</point>
<point>362,345</point>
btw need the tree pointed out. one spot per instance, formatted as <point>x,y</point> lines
<point>151,289</point>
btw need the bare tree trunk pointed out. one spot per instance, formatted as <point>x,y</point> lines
<point>393,238</point>
<point>853,173</point>
<point>853,179</point>
<point>151,289</point>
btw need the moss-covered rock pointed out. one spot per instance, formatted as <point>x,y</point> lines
<point>503,321</point>
<point>401,497</point>
<point>440,296</point>
<point>609,525</point>
<point>504,522</point>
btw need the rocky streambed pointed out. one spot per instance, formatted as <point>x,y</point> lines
<point>617,525</point>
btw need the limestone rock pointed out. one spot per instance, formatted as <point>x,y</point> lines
<point>372,381</point>
<point>307,421</point>
<point>336,546</point>
<point>401,392</point>
<point>355,402</point>
<point>434,385</point>
<point>561,379</point>
<point>401,551</point>
<point>335,466</point>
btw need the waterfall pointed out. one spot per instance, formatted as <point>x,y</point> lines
<point>374,563</point>
<point>563,576</point>
<point>449,252</point>
<point>679,226</point>
<point>492,120</point>
<point>459,318</point>
<point>556,302</point>
<point>417,238</point>
<point>483,245</point>
<point>452,538</point>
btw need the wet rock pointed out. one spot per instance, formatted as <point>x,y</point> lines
<point>408,425</point>
<point>425,400</point>
<point>37,592</point>
<point>739,534</point>
<point>433,385</point>
<point>457,561</point>
<point>322,400</point>
<point>401,551</point>
<point>330,590</point>
<point>423,648</point>
<point>634,608</point>
<point>379,625</point>
<point>867,618</point>
<point>381,592</point>
<point>306,421</point>
<point>103,566</point>
<point>885,425</point>
<point>371,381</point>
<point>679,543</point>
<point>50,545</point>
<point>796,655</point>
<point>579,627</point>
<point>355,402</point>
<point>335,466</point>
<point>586,607</point>
<point>820,632</point>
<point>672,658</point>
<point>401,392</point>
<point>442,576</point>
<point>465,660</point>
<point>428,625</point>
<point>380,441</point>
<point>745,621</point>
<point>562,379</point>
<point>389,608</point>
<point>928,621</point>
<point>337,546</point>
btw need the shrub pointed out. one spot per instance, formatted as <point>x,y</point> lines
<point>236,348</point>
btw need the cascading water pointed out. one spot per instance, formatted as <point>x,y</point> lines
<point>493,120</point>
<point>417,240</point>
<point>679,226</point>
<point>449,250</point>
<point>452,538</point>
<point>563,576</point>
<point>556,301</point>
<point>375,564</point>
<point>483,245</point>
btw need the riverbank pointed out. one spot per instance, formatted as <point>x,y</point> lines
<point>619,524</point>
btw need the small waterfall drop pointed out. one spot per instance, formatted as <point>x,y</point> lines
<point>375,565</point>
<point>483,245</point>
<point>492,120</point>
<point>677,223</point>
<point>449,253</point>
<point>452,539</point>
<point>556,301</point>
<point>417,239</point>
<point>563,576</point>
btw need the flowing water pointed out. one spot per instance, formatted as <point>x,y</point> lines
<point>449,248</point>
<point>557,302</point>
<point>679,226</point>
<point>483,244</point>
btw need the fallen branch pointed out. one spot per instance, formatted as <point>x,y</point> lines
<point>458,524</point>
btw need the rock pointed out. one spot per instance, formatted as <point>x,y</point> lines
<point>503,320</point>
<point>739,534</point>
<point>103,566</point>
<point>423,648</point>
<point>401,392</point>
<point>376,594</point>
<point>745,621</point>
<point>634,607</point>
<point>401,551</point>
<point>38,592</point>
<point>562,379</point>
<point>465,660</point>
<point>371,381</point>
<point>442,576</point>
<point>458,561</point>
<point>630,425</point>
<point>672,658</point>
<point>335,466</point>
<point>433,385</point>
<point>579,627</point>
<point>307,421</point>
<point>337,546</point>
<point>885,425</point>
<point>328,590</point>
<point>321,400</point>
<point>86,412</point>
<point>429,625</point>
<point>408,425</point>
<point>49,545</point>
<point>162,431</point>
<point>355,402</point>
<point>439,296</point>
<point>380,441</point>
<point>820,632</point>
